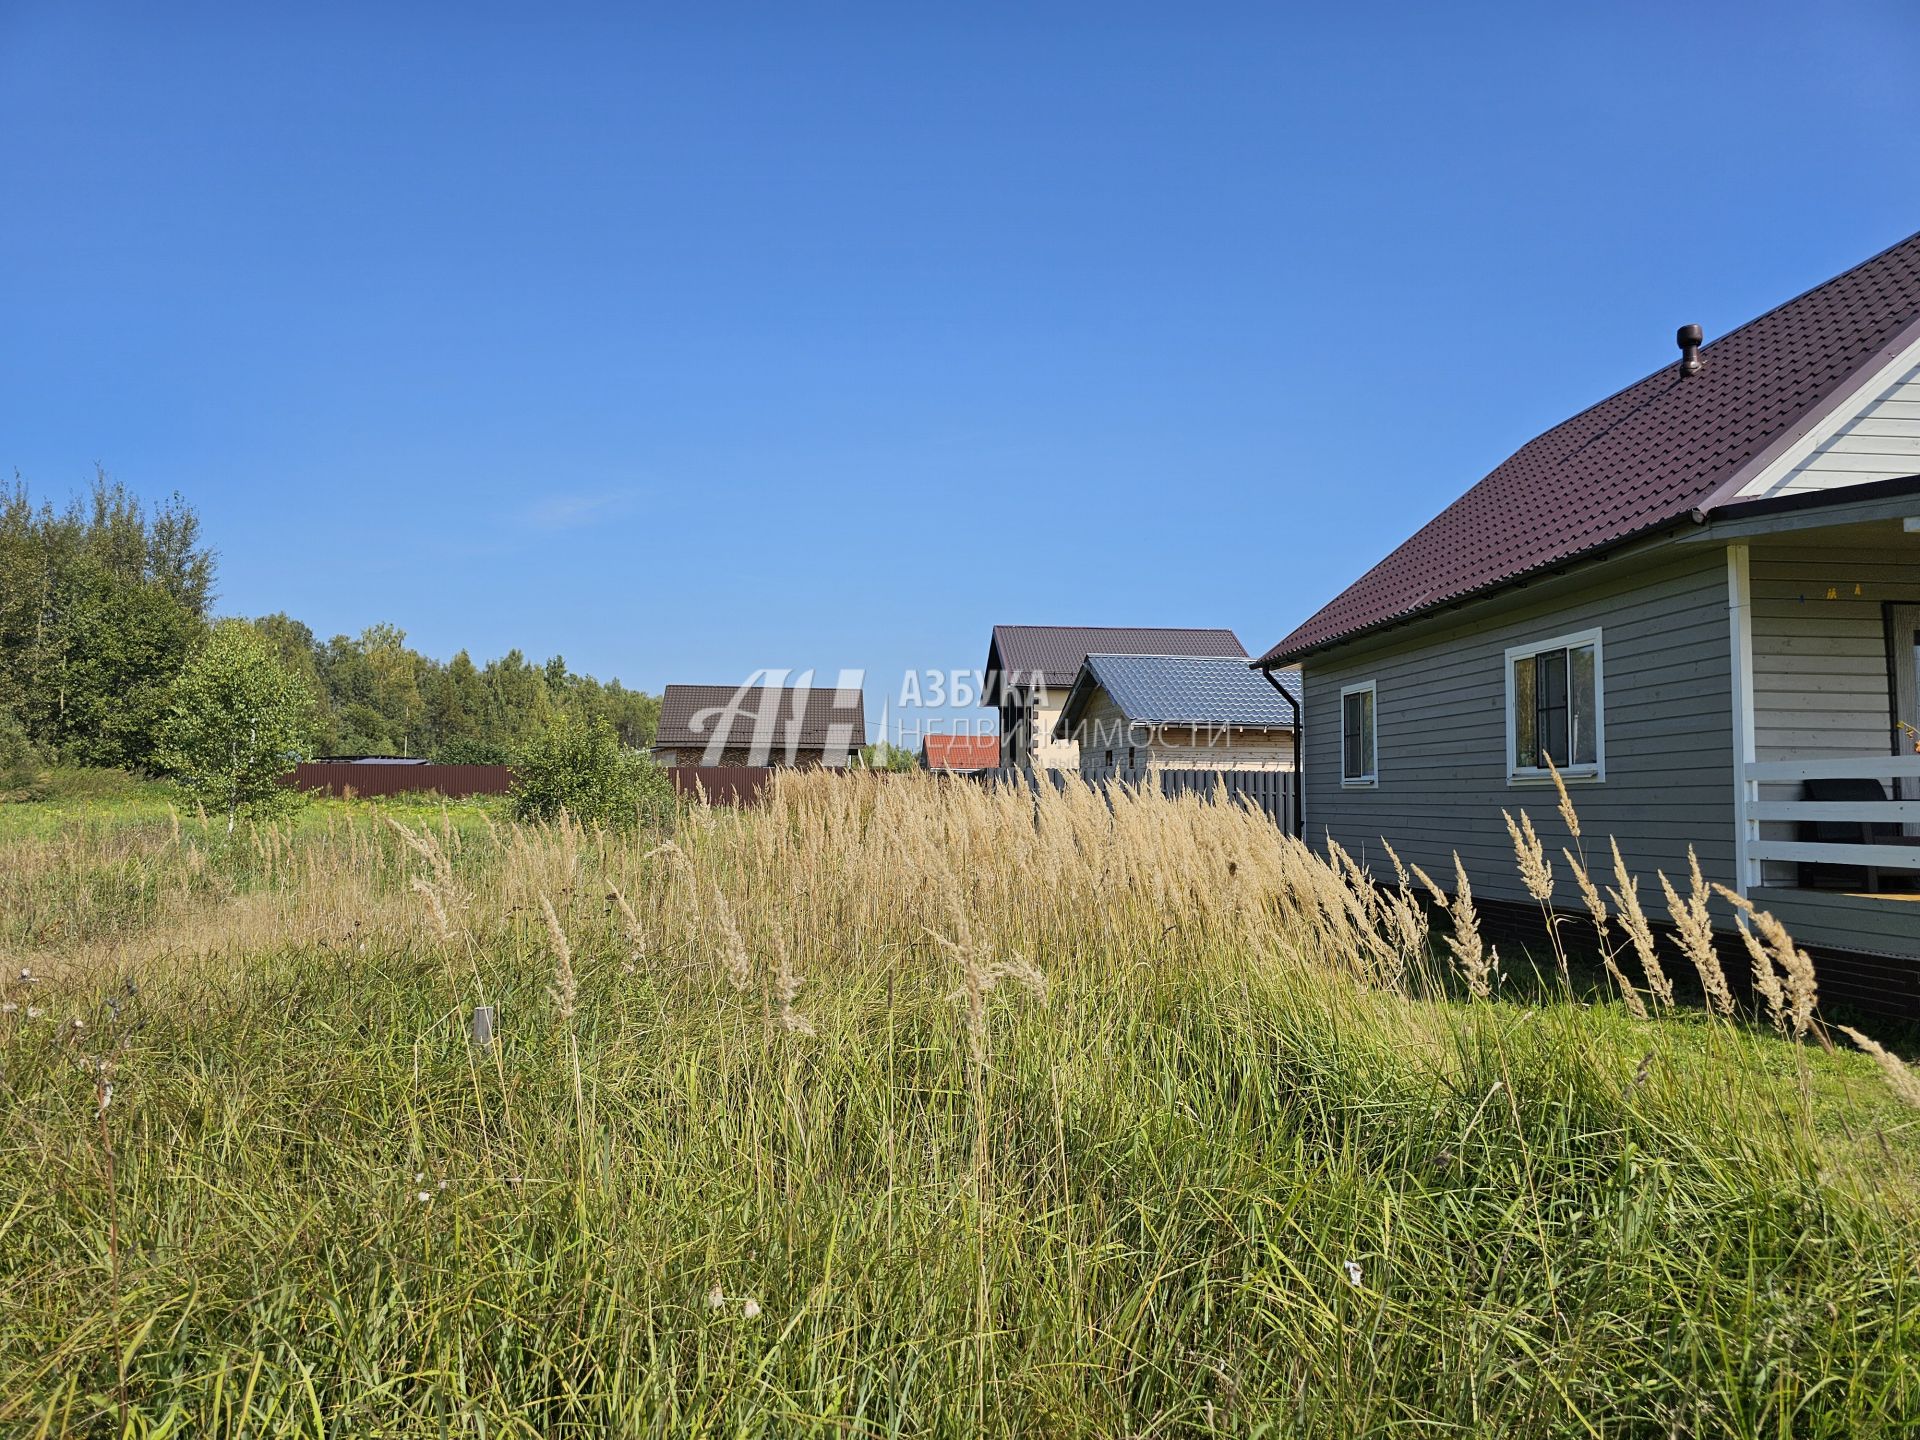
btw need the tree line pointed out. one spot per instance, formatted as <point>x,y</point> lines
<point>103,602</point>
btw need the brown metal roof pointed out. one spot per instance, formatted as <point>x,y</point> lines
<point>1057,650</point>
<point>1643,458</point>
<point>801,718</point>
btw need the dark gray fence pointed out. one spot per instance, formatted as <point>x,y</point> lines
<point>1268,791</point>
<point>1271,792</point>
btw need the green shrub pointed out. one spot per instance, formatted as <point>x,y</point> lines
<point>239,720</point>
<point>882,756</point>
<point>20,759</point>
<point>473,752</point>
<point>580,767</point>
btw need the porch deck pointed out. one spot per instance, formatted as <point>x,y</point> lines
<point>1828,803</point>
<point>1872,924</point>
<point>1879,918</point>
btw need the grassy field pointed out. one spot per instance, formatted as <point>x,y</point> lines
<point>62,802</point>
<point>891,1108</point>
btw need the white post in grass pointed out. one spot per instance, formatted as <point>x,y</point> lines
<point>482,1026</point>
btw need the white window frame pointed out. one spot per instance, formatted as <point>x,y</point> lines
<point>1371,779</point>
<point>1539,774</point>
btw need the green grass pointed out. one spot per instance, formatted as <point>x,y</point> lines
<point>1565,1221</point>
<point>59,801</point>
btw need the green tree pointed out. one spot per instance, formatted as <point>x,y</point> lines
<point>456,705</point>
<point>882,756</point>
<point>100,604</point>
<point>19,757</point>
<point>240,719</point>
<point>579,766</point>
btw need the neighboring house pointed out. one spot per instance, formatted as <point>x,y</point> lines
<point>1701,597</point>
<point>1030,668</point>
<point>759,725</point>
<point>960,754</point>
<point>1184,712</point>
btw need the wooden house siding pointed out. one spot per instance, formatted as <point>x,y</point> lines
<point>1021,750</point>
<point>1442,730</point>
<point>1877,439</point>
<point>1820,677</point>
<point>1175,747</point>
<point>1820,663</point>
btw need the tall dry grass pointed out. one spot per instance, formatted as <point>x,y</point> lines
<point>903,1107</point>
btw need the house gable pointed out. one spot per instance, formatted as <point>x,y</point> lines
<point>1875,436</point>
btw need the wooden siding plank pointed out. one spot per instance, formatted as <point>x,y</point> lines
<point>1442,730</point>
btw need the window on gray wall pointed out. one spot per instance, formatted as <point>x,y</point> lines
<point>1359,742</point>
<point>1555,707</point>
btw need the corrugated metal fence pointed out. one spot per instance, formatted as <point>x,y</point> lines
<point>453,781</point>
<point>1268,791</point>
<point>722,784</point>
<point>1271,792</point>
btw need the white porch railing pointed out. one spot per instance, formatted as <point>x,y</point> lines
<point>1754,811</point>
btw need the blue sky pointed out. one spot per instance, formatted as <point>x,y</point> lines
<point>686,340</point>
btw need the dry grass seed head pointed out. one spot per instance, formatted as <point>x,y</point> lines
<point>786,988</point>
<point>1633,919</point>
<point>1900,1079</point>
<point>1693,924</point>
<point>1476,963</point>
<point>565,990</point>
<point>1536,871</point>
<point>1568,815</point>
<point>1603,934</point>
<point>1792,994</point>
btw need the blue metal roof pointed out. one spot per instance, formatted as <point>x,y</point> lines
<point>1183,690</point>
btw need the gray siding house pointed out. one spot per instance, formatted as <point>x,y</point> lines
<point>1179,712</point>
<point>1701,598</point>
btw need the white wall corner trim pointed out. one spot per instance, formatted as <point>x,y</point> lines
<point>1746,828</point>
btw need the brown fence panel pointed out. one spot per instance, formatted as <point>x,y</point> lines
<point>723,784</point>
<point>453,781</point>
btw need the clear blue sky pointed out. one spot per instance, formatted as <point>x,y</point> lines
<point>685,339</point>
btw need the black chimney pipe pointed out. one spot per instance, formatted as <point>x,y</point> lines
<point>1688,338</point>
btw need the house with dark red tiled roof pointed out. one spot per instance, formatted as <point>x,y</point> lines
<point>1699,600</point>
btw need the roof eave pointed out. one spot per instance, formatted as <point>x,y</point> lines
<point>1281,654</point>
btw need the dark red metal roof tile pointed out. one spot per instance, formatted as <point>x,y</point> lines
<point>1057,650</point>
<point>1639,459</point>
